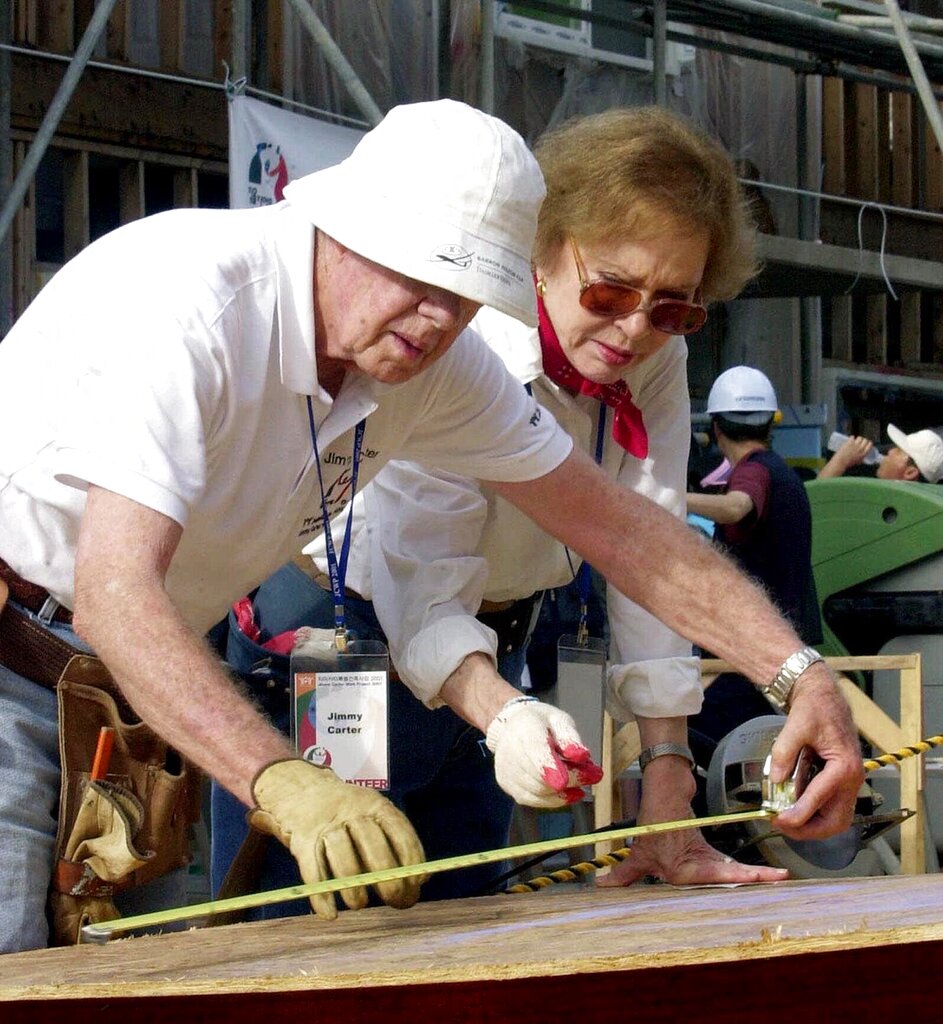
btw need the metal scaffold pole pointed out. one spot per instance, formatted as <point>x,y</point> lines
<point>338,62</point>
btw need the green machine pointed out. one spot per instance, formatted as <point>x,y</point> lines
<point>877,556</point>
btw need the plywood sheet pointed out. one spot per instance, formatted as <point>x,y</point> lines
<point>564,931</point>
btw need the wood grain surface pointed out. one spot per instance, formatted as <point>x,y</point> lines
<point>843,944</point>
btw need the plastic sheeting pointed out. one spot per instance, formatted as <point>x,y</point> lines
<point>391,45</point>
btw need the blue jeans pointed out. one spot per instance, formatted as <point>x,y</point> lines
<point>29,809</point>
<point>441,776</point>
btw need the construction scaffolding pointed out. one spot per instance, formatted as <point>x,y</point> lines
<point>116,113</point>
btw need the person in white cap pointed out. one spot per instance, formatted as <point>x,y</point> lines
<point>916,457</point>
<point>180,410</point>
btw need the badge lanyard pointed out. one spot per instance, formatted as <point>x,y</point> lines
<point>581,659</point>
<point>583,576</point>
<point>337,569</point>
<point>340,690</point>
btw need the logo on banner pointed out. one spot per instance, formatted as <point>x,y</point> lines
<point>268,175</point>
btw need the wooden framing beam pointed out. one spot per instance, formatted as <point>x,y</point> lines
<point>874,724</point>
<point>902,149</point>
<point>910,328</point>
<point>131,191</point>
<point>55,26</point>
<point>876,330</point>
<point>863,176</point>
<point>833,135</point>
<point>75,202</point>
<point>842,334</point>
<point>172,27</point>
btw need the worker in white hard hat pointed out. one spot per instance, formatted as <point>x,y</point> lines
<point>763,516</point>
<point>764,521</point>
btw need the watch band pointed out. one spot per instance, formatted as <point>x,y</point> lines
<point>660,749</point>
<point>778,690</point>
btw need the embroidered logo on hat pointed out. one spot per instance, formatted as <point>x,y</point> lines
<point>453,256</point>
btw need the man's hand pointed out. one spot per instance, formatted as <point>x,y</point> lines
<point>539,758</point>
<point>819,717</point>
<point>334,829</point>
<point>680,858</point>
<point>851,453</point>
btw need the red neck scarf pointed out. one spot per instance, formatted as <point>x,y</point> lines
<point>628,429</point>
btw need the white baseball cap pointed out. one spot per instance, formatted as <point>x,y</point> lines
<point>925,447</point>
<point>441,193</point>
<point>743,394</point>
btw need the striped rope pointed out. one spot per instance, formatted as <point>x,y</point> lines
<point>577,871</point>
<point>920,747</point>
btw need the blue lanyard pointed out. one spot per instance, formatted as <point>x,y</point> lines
<point>583,576</point>
<point>337,571</point>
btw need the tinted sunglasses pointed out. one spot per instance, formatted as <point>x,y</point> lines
<point>609,298</point>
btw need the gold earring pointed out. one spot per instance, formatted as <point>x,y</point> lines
<point>541,287</point>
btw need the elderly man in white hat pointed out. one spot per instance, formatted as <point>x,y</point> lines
<point>916,457</point>
<point>192,397</point>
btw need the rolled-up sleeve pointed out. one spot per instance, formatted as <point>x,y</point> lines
<point>426,587</point>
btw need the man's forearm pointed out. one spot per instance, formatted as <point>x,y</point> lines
<point>661,564</point>
<point>475,691</point>
<point>178,687</point>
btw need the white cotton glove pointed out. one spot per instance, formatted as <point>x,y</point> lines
<point>539,758</point>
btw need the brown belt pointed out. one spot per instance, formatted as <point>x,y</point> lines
<point>31,651</point>
<point>30,595</point>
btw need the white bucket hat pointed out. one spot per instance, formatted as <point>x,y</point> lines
<point>743,394</point>
<point>925,447</point>
<point>439,192</point>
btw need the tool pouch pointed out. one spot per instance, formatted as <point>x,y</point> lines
<point>124,831</point>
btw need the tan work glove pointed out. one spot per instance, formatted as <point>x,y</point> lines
<point>334,829</point>
<point>101,845</point>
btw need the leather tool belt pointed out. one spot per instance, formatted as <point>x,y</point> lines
<point>129,828</point>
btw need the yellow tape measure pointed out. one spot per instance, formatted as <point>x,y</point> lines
<point>103,930</point>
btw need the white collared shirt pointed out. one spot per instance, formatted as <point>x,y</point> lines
<point>170,362</point>
<point>432,545</point>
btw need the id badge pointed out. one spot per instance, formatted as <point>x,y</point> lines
<point>340,707</point>
<point>581,686</point>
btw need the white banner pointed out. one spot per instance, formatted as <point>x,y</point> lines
<point>269,146</point>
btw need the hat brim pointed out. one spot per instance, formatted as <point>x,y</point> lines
<point>751,419</point>
<point>412,244</point>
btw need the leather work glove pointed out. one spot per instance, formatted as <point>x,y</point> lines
<point>334,829</point>
<point>99,854</point>
<point>539,758</point>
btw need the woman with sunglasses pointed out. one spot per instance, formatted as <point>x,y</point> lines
<point>643,225</point>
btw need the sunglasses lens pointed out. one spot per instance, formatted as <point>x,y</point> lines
<point>677,317</point>
<point>607,299</point>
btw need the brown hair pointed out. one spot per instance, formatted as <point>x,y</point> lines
<point>626,170</point>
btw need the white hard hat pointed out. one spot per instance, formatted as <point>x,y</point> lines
<point>743,394</point>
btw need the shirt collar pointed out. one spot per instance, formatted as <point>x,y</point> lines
<point>294,240</point>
